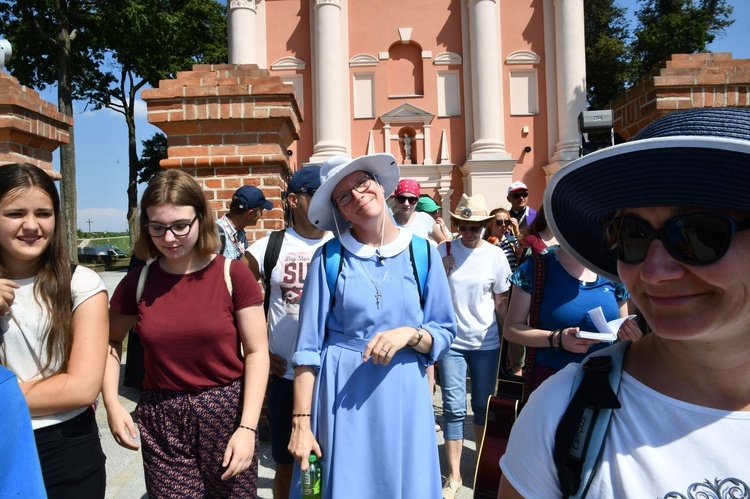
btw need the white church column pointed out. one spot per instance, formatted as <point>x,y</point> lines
<point>329,81</point>
<point>241,17</point>
<point>570,55</point>
<point>486,81</point>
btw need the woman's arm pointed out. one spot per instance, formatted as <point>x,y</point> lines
<point>518,331</point>
<point>80,384</point>
<point>251,324</point>
<point>120,421</point>
<point>437,233</point>
<point>302,441</point>
<point>501,307</point>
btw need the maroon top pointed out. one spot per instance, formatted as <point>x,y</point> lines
<point>534,242</point>
<point>186,324</point>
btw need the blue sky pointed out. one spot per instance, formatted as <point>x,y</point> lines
<point>102,148</point>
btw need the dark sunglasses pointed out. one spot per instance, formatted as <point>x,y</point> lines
<point>518,195</point>
<point>306,190</point>
<point>693,239</point>
<point>504,223</point>
<point>469,228</point>
<point>401,199</point>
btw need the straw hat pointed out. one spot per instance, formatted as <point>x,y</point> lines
<point>472,209</point>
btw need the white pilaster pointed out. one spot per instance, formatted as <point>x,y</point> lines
<point>241,18</point>
<point>486,81</point>
<point>427,146</point>
<point>570,55</point>
<point>387,138</point>
<point>329,81</point>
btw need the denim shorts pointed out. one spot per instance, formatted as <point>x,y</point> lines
<point>482,365</point>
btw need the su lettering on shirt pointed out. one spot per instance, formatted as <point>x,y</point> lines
<point>296,266</point>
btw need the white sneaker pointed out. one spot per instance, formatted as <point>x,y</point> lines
<point>451,488</point>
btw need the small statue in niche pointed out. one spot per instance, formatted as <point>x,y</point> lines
<point>407,150</point>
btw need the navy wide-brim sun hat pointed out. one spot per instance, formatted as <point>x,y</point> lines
<point>322,212</point>
<point>697,158</point>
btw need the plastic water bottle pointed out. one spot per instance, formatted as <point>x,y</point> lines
<point>311,479</point>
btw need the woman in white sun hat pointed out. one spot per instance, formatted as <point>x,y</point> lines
<point>672,225</point>
<point>368,329</point>
<point>478,277</point>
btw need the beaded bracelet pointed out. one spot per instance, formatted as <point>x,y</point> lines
<point>248,428</point>
<point>300,415</point>
<point>551,337</point>
<point>419,338</point>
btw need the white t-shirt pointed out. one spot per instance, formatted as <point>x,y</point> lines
<point>478,273</point>
<point>23,331</point>
<point>421,225</point>
<point>656,446</point>
<point>287,280</point>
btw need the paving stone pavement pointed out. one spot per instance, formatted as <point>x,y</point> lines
<point>125,467</point>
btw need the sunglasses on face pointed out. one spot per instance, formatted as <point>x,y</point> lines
<point>360,186</point>
<point>693,239</point>
<point>178,229</point>
<point>519,195</point>
<point>401,199</point>
<point>469,228</point>
<point>502,223</point>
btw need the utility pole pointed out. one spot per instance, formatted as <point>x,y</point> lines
<point>89,222</point>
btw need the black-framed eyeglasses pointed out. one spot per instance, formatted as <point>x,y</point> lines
<point>469,228</point>
<point>360,186</point>
<point>503,223</point>
<point>401,199</point>
<point>519,195</point>
<point>693,238</point>
<point>179,229</point>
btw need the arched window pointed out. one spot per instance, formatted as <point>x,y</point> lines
<point>405,70</point>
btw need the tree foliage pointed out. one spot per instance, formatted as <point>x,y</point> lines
<point>668,27</point>
<point>616,57</point>
<point>154,150</point>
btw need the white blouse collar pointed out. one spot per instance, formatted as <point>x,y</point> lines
<point>387,250</point>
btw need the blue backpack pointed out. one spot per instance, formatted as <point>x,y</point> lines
<point>419,252</point>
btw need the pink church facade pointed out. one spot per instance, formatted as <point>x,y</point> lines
<point>468,95</point>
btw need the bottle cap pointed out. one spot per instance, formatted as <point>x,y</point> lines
<point>312,458</point>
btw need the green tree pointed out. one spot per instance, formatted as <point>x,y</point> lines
<point>607,52</point>
<point>151,40</point>
<point>54,43</point>
<point>668,27</point>
<point>154,150</point>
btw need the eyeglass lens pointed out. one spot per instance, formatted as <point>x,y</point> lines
<point>403,199</point>
<point>469,228</point>
<point>361,186</point>
<point>502,222</point>
<point>518,195</point>
<point>178,229</point>
<point>694,239</point>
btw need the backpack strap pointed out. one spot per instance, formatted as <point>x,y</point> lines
<point>222,238</point>
<point>142,281</point>
<point>419,252</point>
<point>580,435</point>
<point>270,258</point>
<point>228,275</point>
<point>332,258</point>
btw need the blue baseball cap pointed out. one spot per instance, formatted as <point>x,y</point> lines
<point>305,179</point>
<point>248,197</point>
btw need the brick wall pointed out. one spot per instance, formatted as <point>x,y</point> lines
<point>30,128</point>
<point>684,81</point>
<point>229,125</point>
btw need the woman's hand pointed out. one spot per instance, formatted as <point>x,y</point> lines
<point>239,453</point>
<point>629,330</point>
<point>449,262</point>
<point>303,443</point>
<point>7,294</point>
<point>122,427</point>
<point>384,345</point>
<point>574,344</point>
<point>278,365</point>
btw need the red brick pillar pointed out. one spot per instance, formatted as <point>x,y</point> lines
<point>30,128</point>
<point>229,125</point>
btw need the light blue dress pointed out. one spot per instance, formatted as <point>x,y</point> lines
<point>374,423</point>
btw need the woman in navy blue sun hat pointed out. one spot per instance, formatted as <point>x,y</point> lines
<point>671,224</point>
